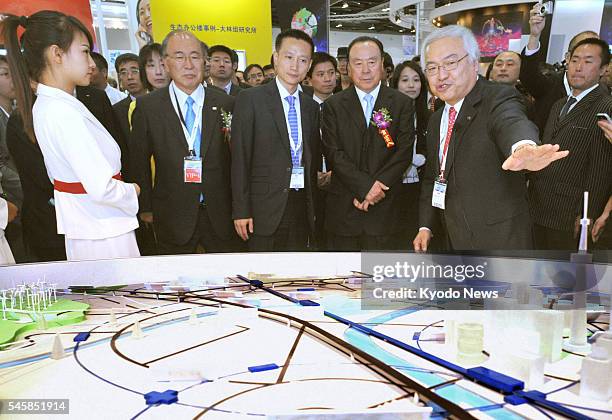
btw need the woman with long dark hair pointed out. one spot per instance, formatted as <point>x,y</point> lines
<point>96,211</point>
<point>410,80</point>
<point>152,71</point>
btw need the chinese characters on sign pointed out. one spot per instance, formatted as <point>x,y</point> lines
<point>214,28</point>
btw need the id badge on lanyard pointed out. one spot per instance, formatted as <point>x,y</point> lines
<point>297,177</point>
<point>439,193</point>
<point>192,169</point>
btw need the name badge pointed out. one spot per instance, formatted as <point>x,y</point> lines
<point>439,194</point>
<point>192,169</point>
<point>297,177</point>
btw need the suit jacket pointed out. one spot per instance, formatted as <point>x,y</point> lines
<point>261,157</point>
<point>8,169</point>
<point>556,192</point>
<point>120,109</point>
<point>546,90</point>
<point>38,215</point>
<point>234,90</point>
<point>157,132</point>
<point>486,207</point>
<point>360,156</point>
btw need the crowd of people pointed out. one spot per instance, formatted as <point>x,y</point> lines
<point>307,152</point>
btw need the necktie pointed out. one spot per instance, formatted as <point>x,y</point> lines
<point>190,114</point>
<point>452,114</point>
<point>293,125</point>
<point>571,101</point>
<point>432,103</point>
<point>369,107</point>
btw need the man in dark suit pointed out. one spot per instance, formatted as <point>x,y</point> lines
<point>482,139</point>
<point>362,204</point>
<point>181,127</point>
<point>38,213</point>
<point>222,70</point>
<point>556,193</point>
<point>545,89</point>
<point>276,154</point>
<point>129,78</point>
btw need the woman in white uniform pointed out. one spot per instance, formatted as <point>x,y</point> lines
<point>96,210</point>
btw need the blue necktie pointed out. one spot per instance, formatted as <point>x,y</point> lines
<point>369,108</point>
<point>293,125</point>
<point>189,122</point>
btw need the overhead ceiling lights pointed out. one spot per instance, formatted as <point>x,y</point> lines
<point>339,25</point>
<point>386,9</point>
<point>345,5</point>
<point>372,28</point>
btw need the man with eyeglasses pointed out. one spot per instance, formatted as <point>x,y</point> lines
<point>473,196</point>
<point>362,204</point>
<point>181,127</point>
<point>222,69</point>
<point>129,79</point>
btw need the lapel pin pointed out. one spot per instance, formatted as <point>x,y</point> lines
<point>214,108</point>
<point>469,117</point>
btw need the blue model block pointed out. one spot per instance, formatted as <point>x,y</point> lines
<point>167,397</point>
<point>262,368</point>
<point>306,289</point>
<point>308,303</point>
<point>83,336</point>
<point>495,380</point>
<point>256,283</point>
<point>514,400</point>
<point>416,336</point>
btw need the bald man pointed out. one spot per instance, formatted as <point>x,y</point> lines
<point>181,127</point>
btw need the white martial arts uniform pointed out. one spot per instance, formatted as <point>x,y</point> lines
<point>78,149</point>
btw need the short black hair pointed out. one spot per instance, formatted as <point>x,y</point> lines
<point>249,68</point>
<point>221,49</point>
<point>123,58</point>
<point>234,57</point>
<point>362,39</point>
<point>388,61</point>
<point>296,34</point>
<point>100,61</point>
<point>605,49</point>
<point>321,57</point>
<point>268,67</point>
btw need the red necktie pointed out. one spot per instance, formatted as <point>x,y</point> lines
<point>432,103</point>
<point>452,114</point>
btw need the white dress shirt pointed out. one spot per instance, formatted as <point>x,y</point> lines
<point>582,95</point>
<point>198,97</point>
<point>77,148</point>
<point>283,94</point>
<point>364,104</point>
<point>115,95</point>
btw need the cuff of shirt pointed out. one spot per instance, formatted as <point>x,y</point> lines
<point>529,52</point>
<point>424,228</point>
<point>3,214</point>
<point>522,143</point>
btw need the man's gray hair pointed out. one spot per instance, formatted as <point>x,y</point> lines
<point>453,31</point>
<point>164,44</point>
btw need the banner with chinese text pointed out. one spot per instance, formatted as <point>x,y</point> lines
<point>239,24</point>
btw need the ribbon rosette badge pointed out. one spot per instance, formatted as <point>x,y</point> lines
<point>382,119</point>
<point>226,124</point>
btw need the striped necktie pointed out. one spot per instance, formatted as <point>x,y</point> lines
<point>293,125</point>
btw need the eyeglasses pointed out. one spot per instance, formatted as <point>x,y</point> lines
<point>433,69</point>
<point>181,58</point>
<point>130,71</point>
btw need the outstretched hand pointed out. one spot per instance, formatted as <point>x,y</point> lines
<point>533,158</point>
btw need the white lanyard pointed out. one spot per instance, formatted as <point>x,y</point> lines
<point>295,147</point>
<point>190,137</point>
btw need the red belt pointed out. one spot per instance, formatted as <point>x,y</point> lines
<point>75,187</point>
